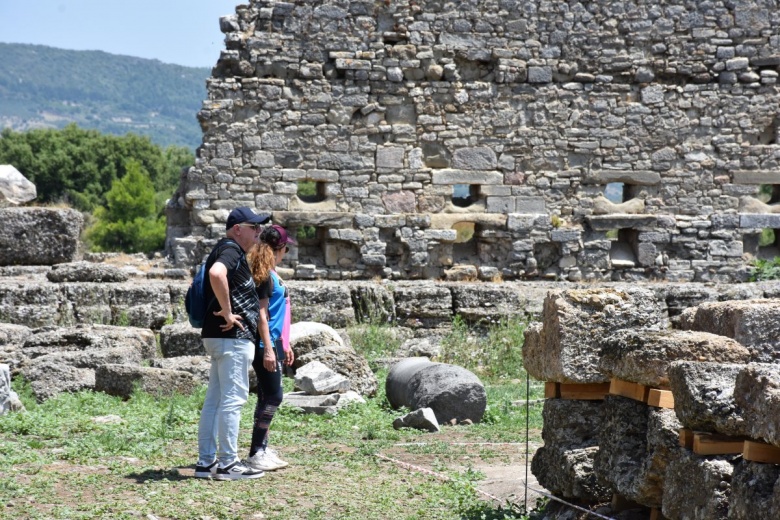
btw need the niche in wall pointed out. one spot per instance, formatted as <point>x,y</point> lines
<point>615,192</point>
<point>310,245</point>
<point>464,249</point>
<point>622,253</point>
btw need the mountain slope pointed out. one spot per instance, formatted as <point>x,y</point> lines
<point>48,87</point>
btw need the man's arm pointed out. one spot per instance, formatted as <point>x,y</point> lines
<point>221,288</point>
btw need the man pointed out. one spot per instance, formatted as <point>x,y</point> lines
<point>229,336</point>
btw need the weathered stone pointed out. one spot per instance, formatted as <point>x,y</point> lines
<point>757,393</point>
<point>753,487</point>
<point>644,356</point>
<point>451,391</point>
<point>636,444</point>
<point>346,362</point>
<point>704,396</point>
<point>9,400</point>
<point>15,189</point>
<point>753,323</point>
<point>322,302</point>
<point>317,379</point>
<point>697,488</point>
<point>421,419</point>
<point>566,349</point>
<point>328,404</point>
<point>198,366</point>
<point>39,236</point>
<point>123,380</point>
<point>85,272</point>
<point>424,305</point>
<point>480,303</point>
<point>568,472</point>
<point>181,339</point>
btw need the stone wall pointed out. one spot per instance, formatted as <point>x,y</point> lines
<point>478,139</point>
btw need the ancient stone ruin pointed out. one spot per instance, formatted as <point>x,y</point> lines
<point>604,140</point>
<point>681,421</point>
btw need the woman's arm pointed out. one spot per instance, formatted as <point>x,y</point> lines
<point>269,355</point>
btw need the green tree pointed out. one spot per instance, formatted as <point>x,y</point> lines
<point>130,221</point>
<point>79,166</point>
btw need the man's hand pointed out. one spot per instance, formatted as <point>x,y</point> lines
<point>289,357</point>
<point>231,320</point>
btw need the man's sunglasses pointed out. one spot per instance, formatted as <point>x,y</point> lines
<point>256,227</point>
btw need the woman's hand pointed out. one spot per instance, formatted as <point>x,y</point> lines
<point>289,357</point>
<point>269,359</point>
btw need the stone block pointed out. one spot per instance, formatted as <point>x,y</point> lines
<point>704,396</point>
<point>39,236</point>
<point>315,378</point>
<point>122,380</point>
<point>636,444</point>
<point>451,176</point>
<point>567,348</point>
<point>423,305</point>
<point>181,339</point>
<point>757,394</point>
<point>698,488</point>
<point>391,157</point>
<point>477,158</point>
<point>568,472</point>
<point>644,356</point>
<point>754,490</point>
<point>753,323</point>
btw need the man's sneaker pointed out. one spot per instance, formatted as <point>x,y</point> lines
<point>206,470</point>
<point>237,470</point>
<point>261,461</point>
<point>271,453</point>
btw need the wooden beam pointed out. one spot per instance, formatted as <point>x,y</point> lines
<point>705,443</point>
<point>660,398</point>
<point>552,390</point>
<point>761,452</point>
<point>586,391</point>
<point>686,438</point>
<point>633,391</point>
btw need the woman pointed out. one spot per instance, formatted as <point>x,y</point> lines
<point>274,346</point>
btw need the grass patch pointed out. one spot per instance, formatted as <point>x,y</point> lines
<point>89,455</point>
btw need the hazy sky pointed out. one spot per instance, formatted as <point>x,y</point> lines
<point>185,32</point>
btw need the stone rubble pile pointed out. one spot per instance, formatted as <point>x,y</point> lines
<point>624,446</point>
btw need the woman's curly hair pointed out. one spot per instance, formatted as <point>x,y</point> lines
<point>261,261</point>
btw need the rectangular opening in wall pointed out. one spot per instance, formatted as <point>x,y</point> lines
<point>464,195</point>
<point>622,253</point>
<point>311,191</point>
<point>615,192</point>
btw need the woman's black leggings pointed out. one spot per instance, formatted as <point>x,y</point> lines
<point>269,397</point>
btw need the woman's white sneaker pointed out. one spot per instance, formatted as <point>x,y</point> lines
<point>262,461</point>
<point>271,453</point>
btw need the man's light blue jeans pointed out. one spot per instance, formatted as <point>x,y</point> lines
<point>227,392</point>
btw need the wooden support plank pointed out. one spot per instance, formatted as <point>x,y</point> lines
<point>761,452</point>
<point>585,391</point>
<point>705,443</point>
<point>628,389</point>
<point>660,398</point>
<point>655,514</point>
<point>552,390</point>
<point>686,438</point>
